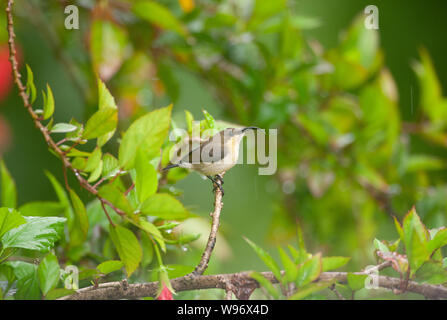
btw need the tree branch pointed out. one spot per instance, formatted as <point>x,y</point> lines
<point>116,290</point>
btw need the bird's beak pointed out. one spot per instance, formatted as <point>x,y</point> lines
<point>247,128</point>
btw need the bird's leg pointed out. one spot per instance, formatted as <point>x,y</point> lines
<point>219,177</point>
<point>217,182</point>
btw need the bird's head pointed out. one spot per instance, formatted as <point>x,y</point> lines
<point>239,131</point>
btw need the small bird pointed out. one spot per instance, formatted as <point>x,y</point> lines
<point>215,156</point>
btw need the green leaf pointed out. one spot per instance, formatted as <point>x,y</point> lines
<point>94,160</point>
<point>110,166</point>
<point>379,245</point>
<point>211,124</point>
<point>309,271</point>
<point>356,281</point>
<point>108,42</point>
<point>189,121</point>
<point>438,241</point>
<point>96,173</point>
<point>38,233</point>
<point>291,269</point>
<point>431,272</point>
<point>146,134</point>
<point>30,86</point>
<point>415,240</point>
<point>310,289</point>
<point>266,284</point>
<point>101,123</point>
<point>9,191</point>
<point>27,280</point>
<point>164,206</point>
<point>48,106</point>
<point>59,293</point>
<point>9,219</point>
<point>431,90</point>
<point>332,263</point>
<point>159,15</point>
<point>42,209</point>
<point>416,163</point>
<point>153,230</point>
<point>127,246</point>
<point>116,197</point>
<point>146,183</point>
<point>266,258</point>
<point>264,10</point>
<point>80,221</point>
<point>106,100</point>
<point>48,272</point>
<point>63,128</point>
<point>110,266</point>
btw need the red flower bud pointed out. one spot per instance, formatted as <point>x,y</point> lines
<point>165,294</point>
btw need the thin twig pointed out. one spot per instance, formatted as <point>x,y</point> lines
<point>206,255</point>
<point>44,130</point>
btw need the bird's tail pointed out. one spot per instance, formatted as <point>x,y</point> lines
<point>170,167</point>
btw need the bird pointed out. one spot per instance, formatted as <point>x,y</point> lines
<point>215,155</point>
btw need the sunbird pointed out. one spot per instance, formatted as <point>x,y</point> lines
<point>215,155</point>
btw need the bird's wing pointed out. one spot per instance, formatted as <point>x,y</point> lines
<point>210,151</point>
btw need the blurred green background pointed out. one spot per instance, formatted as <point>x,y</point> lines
<point>343,219</point>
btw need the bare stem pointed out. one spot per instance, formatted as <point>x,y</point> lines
<point>206,255</point>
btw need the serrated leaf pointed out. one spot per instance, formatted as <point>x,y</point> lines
<point>332,263</point>
<point>438,241</point>
<point>266,258</point>
<point>38,233</point>
<point>146,134</point>
<point>106,100</point>
<point>9,219</point>
<point>310,270</point>
<point>9,191</point>
<point>116,197</point>
<point>110,166</point>
<point>127,246</point>
<point>110,266</point>
<point>48,272</point>
<point>415,240</point>
<point>101,123</point>
<point>164,206</point>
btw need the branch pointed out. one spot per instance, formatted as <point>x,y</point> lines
<point>43,129</point>
<point>218,204</point>
<point>238,282</point>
